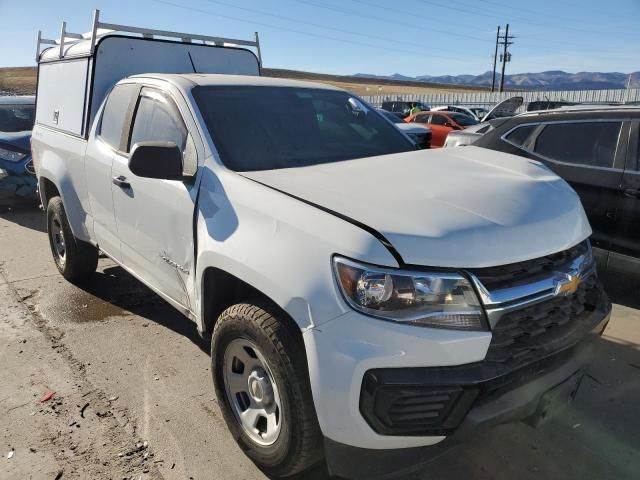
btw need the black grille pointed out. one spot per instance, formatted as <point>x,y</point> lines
<point>514,274</point>
<point>413,410</point>
<point>421,408</point>
<point>531,333</point>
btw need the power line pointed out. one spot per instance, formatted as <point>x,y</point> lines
<point>521,9</point>
<point>318,25</point>
<point>582,6</point>
<point>520,19</point>
<point>414,15</point>
<point>387,20</point>
<point>431,18</point>
<point>300,32</point>
<point>360,14</point>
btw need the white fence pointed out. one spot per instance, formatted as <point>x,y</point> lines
<point>487,99</point>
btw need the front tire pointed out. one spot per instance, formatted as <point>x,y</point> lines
<point>260,375</point>
<point>75,259</point>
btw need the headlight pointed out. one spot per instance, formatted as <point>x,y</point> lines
<point>429,299</point>
<point>11,155</point>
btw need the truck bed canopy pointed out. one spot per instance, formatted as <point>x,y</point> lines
<point>77,70</point>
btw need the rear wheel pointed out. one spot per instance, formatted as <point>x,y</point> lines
<point>260,375</point>
<point>74,258</point>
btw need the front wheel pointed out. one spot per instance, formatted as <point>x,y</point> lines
<point>74,258</point>
<point>260,376</point>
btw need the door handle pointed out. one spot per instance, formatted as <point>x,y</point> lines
<point>632,193</point>
<point>121,182</point>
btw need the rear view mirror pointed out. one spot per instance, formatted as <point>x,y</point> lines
<point>161,160</point>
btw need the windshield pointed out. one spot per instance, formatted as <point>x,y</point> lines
<point>463,120</point>
<point>391,116</point>
<point>16,118</point>
<point>265,128</point>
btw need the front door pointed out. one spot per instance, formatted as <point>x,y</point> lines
<point>625,250</point>
<point>587,155</point>
<point>155,217</point>
<point>106,140</point>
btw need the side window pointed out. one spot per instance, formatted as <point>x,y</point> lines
<point>115,114</point>
<point>438,120</point>
<point>424,118</point>
<point>157,119</point>
<point>591,144</point>
<point>519,135</point>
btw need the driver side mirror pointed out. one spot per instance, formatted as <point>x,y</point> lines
<point>162,160</point>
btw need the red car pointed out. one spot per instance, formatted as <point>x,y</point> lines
<point>441,123</point>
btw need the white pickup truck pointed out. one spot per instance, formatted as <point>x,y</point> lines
<point>365,300</point>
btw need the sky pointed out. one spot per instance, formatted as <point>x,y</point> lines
<point>411,37</point>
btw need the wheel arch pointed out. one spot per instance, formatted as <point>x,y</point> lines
<point>47,189</point>
<point>222,289</point>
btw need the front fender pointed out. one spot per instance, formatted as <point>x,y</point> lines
<point>279,245</point>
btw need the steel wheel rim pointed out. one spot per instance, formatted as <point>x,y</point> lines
<point>252,392</point>
<point>57,240</point>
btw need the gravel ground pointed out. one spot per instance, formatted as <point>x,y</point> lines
<point>134,399</point>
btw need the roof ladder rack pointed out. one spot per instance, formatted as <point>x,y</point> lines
<point>67,38</point>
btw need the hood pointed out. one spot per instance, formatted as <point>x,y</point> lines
<point>18,140</point>
<point>412,128</point>
<point>463,207</point>
<point>506,108</point>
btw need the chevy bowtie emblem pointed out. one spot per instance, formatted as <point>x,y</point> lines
<point>568,285</point>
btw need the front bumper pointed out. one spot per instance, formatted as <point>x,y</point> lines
<point>531,394</point>
<point>527,402</point>
<point>359,366</point>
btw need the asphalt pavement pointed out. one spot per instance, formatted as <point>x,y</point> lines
<point>134,398</point>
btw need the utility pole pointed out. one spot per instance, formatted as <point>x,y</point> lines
<point>495,60</point>
<point>506,56</point>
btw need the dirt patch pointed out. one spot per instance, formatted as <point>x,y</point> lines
<point>69,428</point>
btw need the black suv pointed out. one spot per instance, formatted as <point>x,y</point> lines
<point>597,151</point>
<point>402,108</point>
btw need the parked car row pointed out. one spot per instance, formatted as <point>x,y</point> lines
<point>442,121</point>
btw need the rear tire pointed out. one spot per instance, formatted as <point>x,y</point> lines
<point>250,344</point>
<point>75,259</point>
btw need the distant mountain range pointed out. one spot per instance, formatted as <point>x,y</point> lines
<point>551,80</point>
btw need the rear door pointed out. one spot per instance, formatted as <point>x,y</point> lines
<point>109,139</point>
<point>625,254</point>
<point>155,217</point>
<point>588,155</point>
